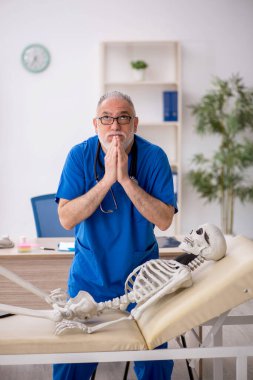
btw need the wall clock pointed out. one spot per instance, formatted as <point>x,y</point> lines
<point>35,58</point>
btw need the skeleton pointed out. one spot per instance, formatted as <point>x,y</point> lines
<point>144,286</point>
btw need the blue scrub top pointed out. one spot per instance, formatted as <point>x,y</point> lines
<point>109,246</point>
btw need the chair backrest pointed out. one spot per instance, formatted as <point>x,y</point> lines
<point>46,217</point>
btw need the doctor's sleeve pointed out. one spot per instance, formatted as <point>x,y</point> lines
<point>72,180</point>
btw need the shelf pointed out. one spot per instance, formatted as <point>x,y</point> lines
<point>162,74</point>
<point>161,57</point>
<point>141,43</point>
<point>168,85</point>
<point>164,124</point>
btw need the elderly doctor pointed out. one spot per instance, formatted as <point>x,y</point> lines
<point>114,188</point>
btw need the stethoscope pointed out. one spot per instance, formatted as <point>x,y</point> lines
<point>132,172</point>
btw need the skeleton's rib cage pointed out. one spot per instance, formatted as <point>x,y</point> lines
<point>149,278</point>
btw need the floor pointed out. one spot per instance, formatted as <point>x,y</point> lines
<point>232,335</point>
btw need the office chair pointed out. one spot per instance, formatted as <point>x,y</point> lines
<point>46,217</point>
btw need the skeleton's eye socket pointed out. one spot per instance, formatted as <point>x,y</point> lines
<point>206,238</point>
<point>199,231</point>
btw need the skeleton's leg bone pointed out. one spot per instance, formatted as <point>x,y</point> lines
<point>183,279</point>
<point>53,315</point>
<point>25,284</point>
<point>105,324</point>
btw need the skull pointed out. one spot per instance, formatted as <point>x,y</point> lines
<point>207,241</point>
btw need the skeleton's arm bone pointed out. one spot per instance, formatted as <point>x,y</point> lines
<point>101,325</point>
<point>53,315</point>
<point>66,325</point>
<point>183,279</point>
<point>25,284</point>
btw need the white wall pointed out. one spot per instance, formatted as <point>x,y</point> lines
<point>42,116</point>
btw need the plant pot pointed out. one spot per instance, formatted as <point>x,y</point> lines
<point>139,74</point>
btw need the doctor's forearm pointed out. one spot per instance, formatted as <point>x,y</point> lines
<point>151,208</point>
<point>75,211</point>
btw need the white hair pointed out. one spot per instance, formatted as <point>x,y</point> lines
<point>117,95</point>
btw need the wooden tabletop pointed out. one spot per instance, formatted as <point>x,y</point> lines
<point>46,269</point>
<point>39,243</point>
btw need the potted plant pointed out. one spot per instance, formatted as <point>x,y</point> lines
<point>227,111</point>
<point>139,68</point>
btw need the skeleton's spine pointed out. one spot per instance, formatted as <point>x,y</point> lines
<point>196,263</point>
<point>116,303</point>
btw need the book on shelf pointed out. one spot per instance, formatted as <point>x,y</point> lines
<point>175,179</point>
<point>170,106</point>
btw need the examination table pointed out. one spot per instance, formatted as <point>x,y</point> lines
<point>218,287</point>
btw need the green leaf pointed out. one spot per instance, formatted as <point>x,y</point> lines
<point>226,110</point>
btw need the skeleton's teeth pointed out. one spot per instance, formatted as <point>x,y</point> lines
<point>187,239</point>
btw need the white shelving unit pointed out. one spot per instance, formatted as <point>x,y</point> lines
<point>162,74</point>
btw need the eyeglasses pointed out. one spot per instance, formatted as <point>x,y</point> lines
<point>109,120</point>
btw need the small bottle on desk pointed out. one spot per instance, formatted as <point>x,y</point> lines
<point>24,245</point>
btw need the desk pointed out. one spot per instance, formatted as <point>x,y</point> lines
<point>47,270</point>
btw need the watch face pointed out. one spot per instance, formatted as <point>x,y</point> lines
<point>35,58</point>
